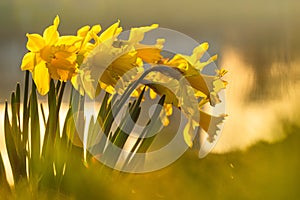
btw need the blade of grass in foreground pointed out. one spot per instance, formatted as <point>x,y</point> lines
<point>16,139</point>
<point>34,161</point>
<point>51,124</point>
<point>3,180</point>
<point>11,147</point>
<point>25,110</point>
<point>143,142</point>
<point>16,130</point>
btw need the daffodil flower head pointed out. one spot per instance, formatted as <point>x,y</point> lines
<point>111,59</point>
<point>205,88</point>
<point>50,57</point>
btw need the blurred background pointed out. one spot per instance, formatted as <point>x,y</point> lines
<point>258,42</point>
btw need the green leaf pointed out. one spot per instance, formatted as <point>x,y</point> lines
<point>21,145</point>
<point>107,123</point>
<point>120,136</point>
<point>70,131</point>
<point>103,109</point>
<point>50,131</point>
<point>59,101</point>
<point>152,128</point>
<point>18,101</point>
<point>11,146</point>
<point>34,163</point>
<point>14,121</point>
<point>143,143</point>
<point>3,179</point>
<point>43,114</point>
<point>25,109</point>
<point>57,88</point>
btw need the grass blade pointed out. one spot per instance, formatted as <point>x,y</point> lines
<point>34,164</point>
<point>3,179</point>
<point>11,146</point>
<point>25,109</point>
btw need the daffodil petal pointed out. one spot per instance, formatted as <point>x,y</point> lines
<point>219,84</point>
<point>210,124</point>
<point>68,40</point>
<point>41,78</point>
<point>168,109</point>
<point>201,65</point>
<point>188,133</point>
<point>110,32</point>
<point>137,34</point>
<point>75,80</point>
<point>87,34</point>
<point>179,61</point>
<point>149,55</point>
<point>83,31</point>
<point>96,29</point>
<point>35,42</point>
<point>61,69</point>
<point>51,34</point>
<point>165,120</point>
<point>83,82</point>
<point>56,21</point>
<point>200,50</point>
<point>200,83</point>
<point>28,61</point>
<point>152,94</point>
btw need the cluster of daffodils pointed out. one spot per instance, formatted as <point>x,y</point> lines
<point>62,58</point>
<point>52,56</point>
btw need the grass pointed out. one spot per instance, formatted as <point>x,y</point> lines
<point>265,171</point>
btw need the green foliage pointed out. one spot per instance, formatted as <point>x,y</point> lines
<point>59,170</point>
<point>31,164</point>
<point>3,180</point>
<point>43,167</point>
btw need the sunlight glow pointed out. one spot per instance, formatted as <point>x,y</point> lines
<point>250,122</point>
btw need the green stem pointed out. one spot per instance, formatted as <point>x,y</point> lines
<point>25,108</point>
<point>113,112</point>
<point>133,85</point>
<point>61,92</point>
<point>58,105</point>
<point>57,87</point>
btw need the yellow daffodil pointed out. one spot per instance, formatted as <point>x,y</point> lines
<point>50,56</point>
<point>84,81</point>
<point>117,58</point>
<point>38,46</point>
<point>86,33</point>
<point>203,87</point>
<point>191,67</point>
<point>91,60</point>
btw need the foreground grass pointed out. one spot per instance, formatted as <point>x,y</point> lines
<point>265,171</point>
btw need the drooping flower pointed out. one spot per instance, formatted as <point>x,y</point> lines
<point>114,59</point>
<point>191,67</point>
<point>204,88</point>
<point>102,47</point>
<point>75,58</point>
